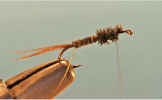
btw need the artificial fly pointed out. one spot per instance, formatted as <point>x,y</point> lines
<point>102,36</point>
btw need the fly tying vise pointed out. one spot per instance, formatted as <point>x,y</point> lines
<point>39,82</point>
<point>102,36</point>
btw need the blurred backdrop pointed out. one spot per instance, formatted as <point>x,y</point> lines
<point>30,25</point>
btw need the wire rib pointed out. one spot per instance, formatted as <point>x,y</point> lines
<point>119,72</point>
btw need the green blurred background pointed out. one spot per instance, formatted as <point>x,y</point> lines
<point>30,25</point>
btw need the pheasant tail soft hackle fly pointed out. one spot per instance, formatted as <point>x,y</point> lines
<point>102,36</point>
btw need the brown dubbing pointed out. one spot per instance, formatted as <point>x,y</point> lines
<point>84,41</point>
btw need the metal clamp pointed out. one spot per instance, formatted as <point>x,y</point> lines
<point>4,93</point>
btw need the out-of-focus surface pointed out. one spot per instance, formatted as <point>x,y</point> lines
<point>30,25</point>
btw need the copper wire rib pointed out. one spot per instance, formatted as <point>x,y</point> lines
<point>102,36</point>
